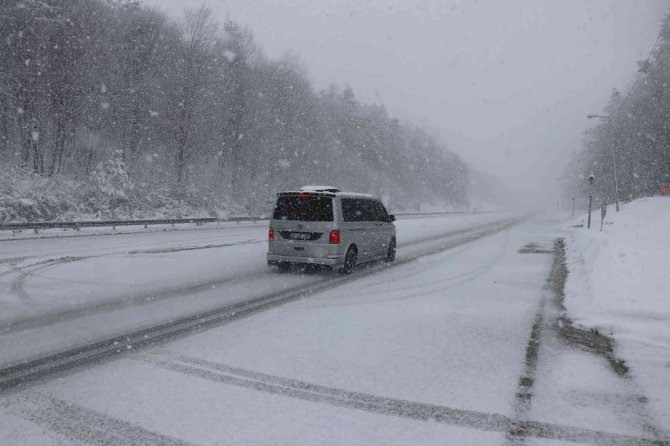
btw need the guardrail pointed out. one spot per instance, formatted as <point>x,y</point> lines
<point>427,214</point>
<point>113,223</point>
<point>76,225</point>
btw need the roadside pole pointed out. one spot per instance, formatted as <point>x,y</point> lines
<point>573,206</point>
<point>612,154</point>
<point>603,212</point>
<point>591,177</point>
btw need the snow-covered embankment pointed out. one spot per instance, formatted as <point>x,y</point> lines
<point>619,284</point>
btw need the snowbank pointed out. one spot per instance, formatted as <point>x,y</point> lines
<point>107,193</point>
<point>619,283</point>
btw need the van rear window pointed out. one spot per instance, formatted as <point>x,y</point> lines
<point>293,207</point>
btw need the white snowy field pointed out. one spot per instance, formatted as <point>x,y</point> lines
<point>619,284</point>
<point>57,293</point>
<point>431,351</point>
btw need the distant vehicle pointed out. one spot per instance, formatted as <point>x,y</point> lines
<point>323,226</point>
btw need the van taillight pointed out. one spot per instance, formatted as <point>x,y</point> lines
<point>334,237</point>
<point>271,234</point>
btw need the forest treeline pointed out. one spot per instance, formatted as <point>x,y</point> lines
<point>195,108</point>
<point>633,134</point>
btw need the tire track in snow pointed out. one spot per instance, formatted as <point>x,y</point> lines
<point>292,388</point>
<point>436,238</point>
<point>15,268</point>
<point>81,424</point>
<point>545,323</point>
<point>423,289</point>
<point>518,432</point>
<point>66,361</point>
<point>51,318</point>
<point>427,286</point>
<point>524,393</point>
<point>24,273</point>
<point>18,286</point>
<point>565,333</point>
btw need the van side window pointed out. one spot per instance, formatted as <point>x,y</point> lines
<point>352,210</point>
<point>369,208</point>
<point>380,212</point>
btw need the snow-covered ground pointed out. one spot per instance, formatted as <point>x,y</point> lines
<point>431,331</point>
<point>431,351</point>
<point>619,284</point>
<point>108,193</point>
<point>58,293</point>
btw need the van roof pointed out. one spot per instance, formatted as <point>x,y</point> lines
<point>329,194</point>
<point>355,195</point>
<point>319,189</point>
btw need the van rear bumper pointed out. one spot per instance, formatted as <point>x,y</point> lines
<point>274,259</point>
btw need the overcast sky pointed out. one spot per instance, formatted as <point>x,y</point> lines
<point>506,84</point>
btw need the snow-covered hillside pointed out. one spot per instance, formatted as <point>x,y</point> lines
<point>107,193</point>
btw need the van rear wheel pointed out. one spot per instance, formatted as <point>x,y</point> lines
<point>390,254</point>
<point>350,260</point>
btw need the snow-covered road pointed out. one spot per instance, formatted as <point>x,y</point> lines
<point>456,347</point>
<point>57,293</point>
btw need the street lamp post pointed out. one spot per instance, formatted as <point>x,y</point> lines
<point>591,178</point>
<point>616,181</point>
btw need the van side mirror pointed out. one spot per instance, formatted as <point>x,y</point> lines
<point>391,218</point>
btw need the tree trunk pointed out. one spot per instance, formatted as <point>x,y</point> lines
<point>179,160</point>
<point>38,158</point>
<point>182,139</point>
<point>134,139</point>
<point>24,141</point>
<point>4,125</point>
<point>58,145</point>
<point>235,128</point>
<point>35,147</point>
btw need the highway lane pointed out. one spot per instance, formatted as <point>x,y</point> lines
<point>54,303</point>
<point>429,352</point>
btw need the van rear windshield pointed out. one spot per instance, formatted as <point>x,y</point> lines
<point>293,207</point>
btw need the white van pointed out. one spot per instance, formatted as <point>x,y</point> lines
<point>323,226</point>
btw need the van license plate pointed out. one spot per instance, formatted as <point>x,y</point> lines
<point>299,236</point>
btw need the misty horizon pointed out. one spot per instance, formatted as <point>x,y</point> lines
<point>500,83</point>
